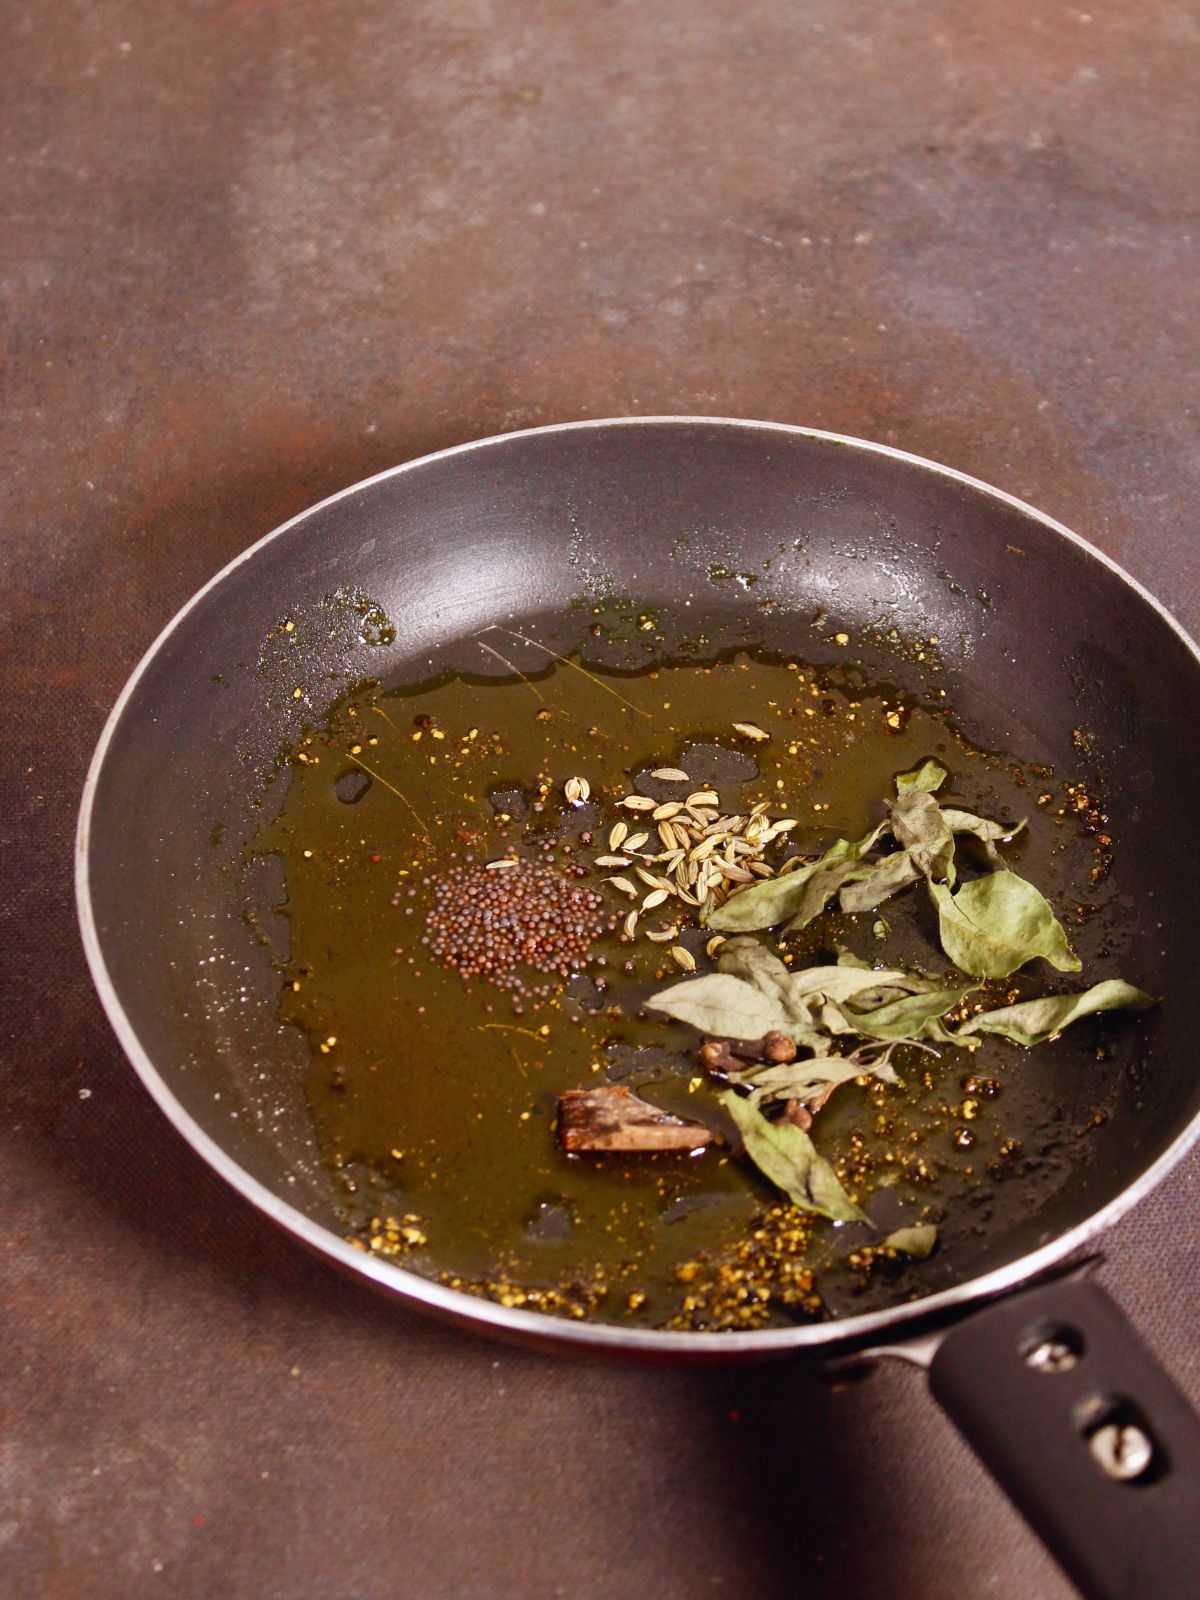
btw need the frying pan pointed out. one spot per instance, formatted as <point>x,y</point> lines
<point>1045,642</point>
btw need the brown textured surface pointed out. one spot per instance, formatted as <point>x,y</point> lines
<point>253,251</point>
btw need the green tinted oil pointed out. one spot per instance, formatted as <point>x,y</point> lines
<point>434,1098</point>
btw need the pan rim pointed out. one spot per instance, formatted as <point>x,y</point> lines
<point>513,1322</point>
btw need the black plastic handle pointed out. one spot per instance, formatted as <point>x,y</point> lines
<point>1095,1445</point>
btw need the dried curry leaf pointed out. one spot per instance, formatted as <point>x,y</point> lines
<point>916,1016</point>
<point>774,900</point>
<point>915,1241</point>
<point>810,1079</point>
<point>894,873</point>
<point>787,1156</point>
<point>930,775</point>
<point>847,958</point>
<point>997,923</point>
<point>1034,1021</point>
<point>989,834</point>
<point>749,959</point>
<point>844,982</point>
<point>832,1019</point>
<point>720,1004</point>
<point>920,829</point>
<point>762,904</point>
<point>820,888</point>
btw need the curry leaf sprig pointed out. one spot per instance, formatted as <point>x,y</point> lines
<point>846,1020</point>
<point>988,928</point>
<point>839,1012</point>
<point>849,1018</point>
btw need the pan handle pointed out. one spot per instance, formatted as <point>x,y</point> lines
<point>1074,1417</point>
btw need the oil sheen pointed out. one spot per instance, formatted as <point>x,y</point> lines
<point>434,1097</point>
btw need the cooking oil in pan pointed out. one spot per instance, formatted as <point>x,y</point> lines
<point>434,1092</point>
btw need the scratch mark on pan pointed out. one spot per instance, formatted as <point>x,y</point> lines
<point>575,667</point>
<point>512,668</point>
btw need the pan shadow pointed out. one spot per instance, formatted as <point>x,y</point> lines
<point>774,1433</point>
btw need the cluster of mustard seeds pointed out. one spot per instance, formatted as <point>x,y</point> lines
<point>492,920</point>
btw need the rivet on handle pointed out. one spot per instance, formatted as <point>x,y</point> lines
<point>1051,1347</point>
<point>1051,1355</point>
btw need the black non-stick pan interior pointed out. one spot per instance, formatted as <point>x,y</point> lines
<point>1044,648</point>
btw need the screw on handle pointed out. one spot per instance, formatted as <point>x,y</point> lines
<point>1077,1421</point>
<point>1123,1450</point>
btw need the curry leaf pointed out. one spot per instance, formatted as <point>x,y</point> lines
<point>762,904</point>
<point>990,834</point>
<point>747,958</point>
<point>930,775</point>
<point>832,1019</point>
<point>916,1241</point>
<point>843,983</point>
<point>916,1016</point>
<point>722,1005</point>
<point>829,1199</point>
<point>805,1080</point>
<point>920,829</point>
<point>894,872</point>
<point>997,923</point>
<point>847,958</point>
<point>1034,1021</point>
<point>787,1156</point>
<point>927,848</point>
<point>773,900</point>
<point>820,888</point>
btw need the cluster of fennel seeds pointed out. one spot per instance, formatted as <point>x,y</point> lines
<point>690,852</point>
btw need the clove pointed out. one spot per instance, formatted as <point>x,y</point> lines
<point>731,1055</point>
